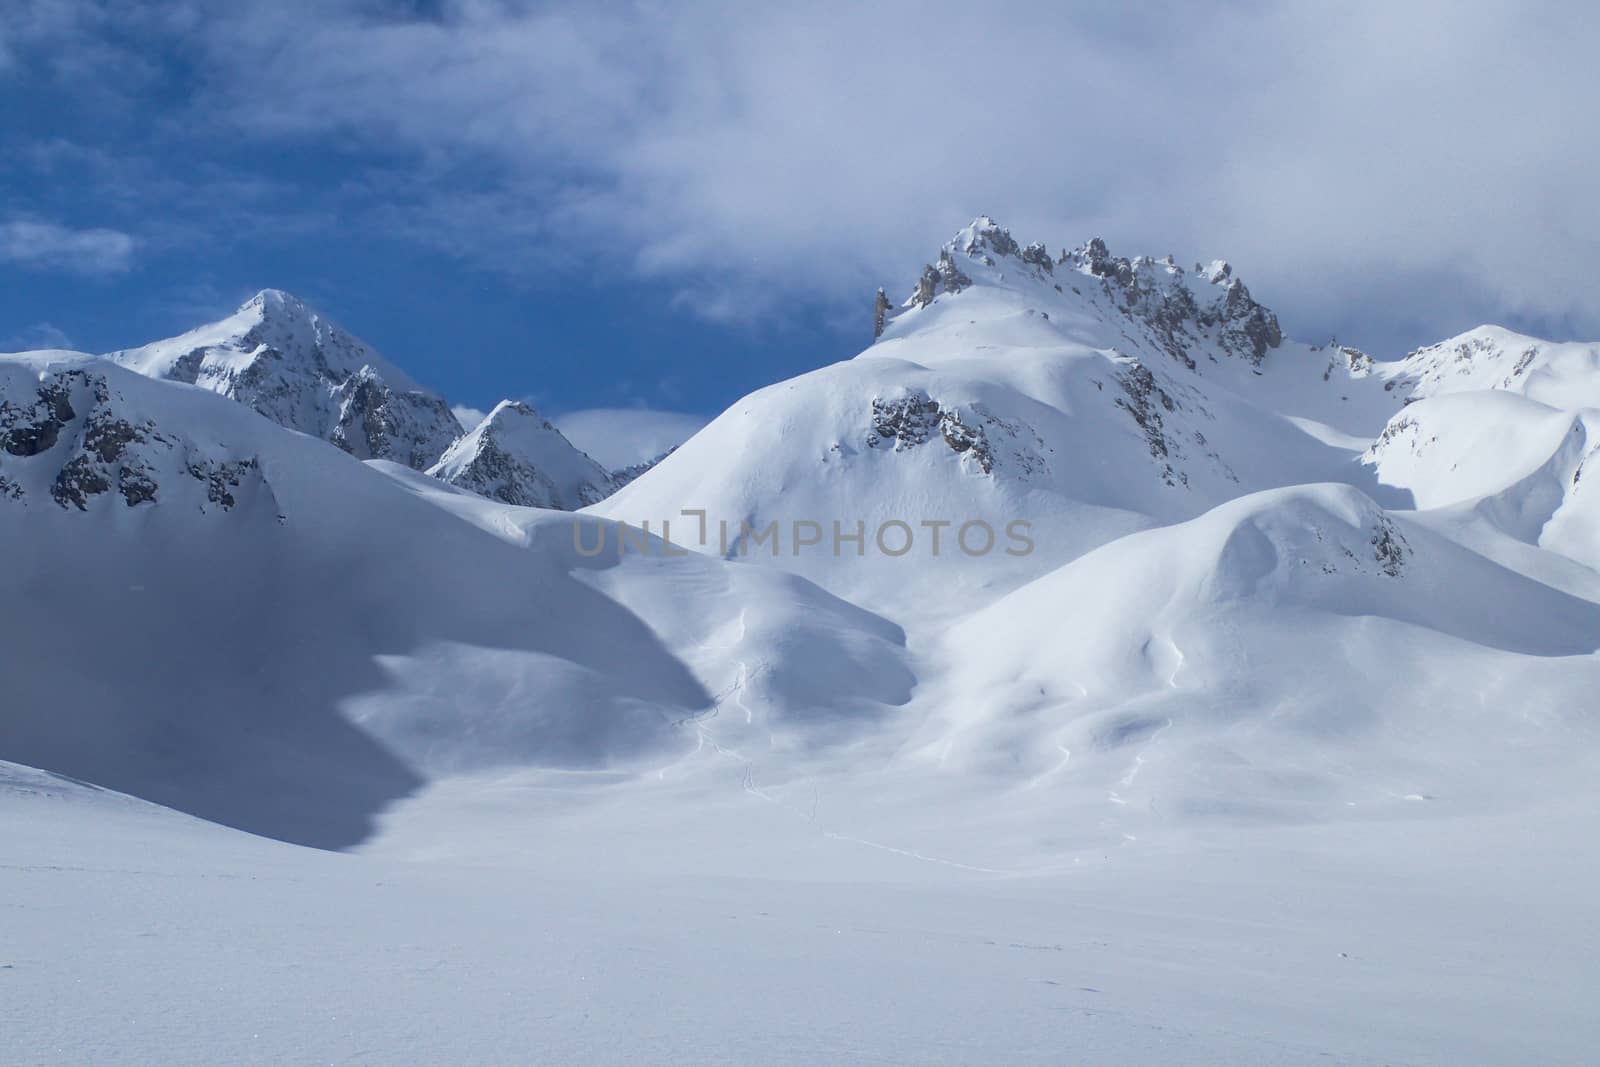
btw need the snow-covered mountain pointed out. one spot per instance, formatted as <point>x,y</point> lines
<point>291,364</point>
<point>516,456</point>
<point>1493,440</point>
<point>1092,395</point>
<point>1025,425</point>
<point>239,622</point>
<point>1209,505</point>
<point>1084,582</point>
<point>1086,394</point>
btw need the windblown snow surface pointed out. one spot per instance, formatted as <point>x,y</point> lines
<point>1271,739</point>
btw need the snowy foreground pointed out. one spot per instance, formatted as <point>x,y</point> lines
<point>523,930</point>
<point>1269,736</point>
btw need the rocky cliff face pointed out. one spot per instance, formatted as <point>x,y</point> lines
<point>285,360</point>
<point>1173,309</point>
<point>1182,309</point>
<point>70,439</point>
<point>378,421</point>
<point>517,457</point>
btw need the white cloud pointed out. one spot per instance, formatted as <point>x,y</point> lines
<point>39,336</point>
<point>468,417</point>
<point>44,245</point>
<point>621,437</point>
<point>1387,168</point>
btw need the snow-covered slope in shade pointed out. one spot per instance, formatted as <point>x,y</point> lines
<point>235,620</point>
<point>291,364</point>
<point>516,456</point>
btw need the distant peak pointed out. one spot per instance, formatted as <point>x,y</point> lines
<point>1094,257</point>
<point>508,408</point>
<point>511,412</point>
<point>277,304</point>
<point>981,235</point>
<point>274,298</point>
<point>1156,291</point>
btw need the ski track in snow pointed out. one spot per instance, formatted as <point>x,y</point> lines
<point>1127,780</point>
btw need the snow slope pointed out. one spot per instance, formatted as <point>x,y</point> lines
<point>1494,358</point>
<point>1295,654</point>
<point>132,934</point>
<point>239,622</point>
<point>1498,457</point>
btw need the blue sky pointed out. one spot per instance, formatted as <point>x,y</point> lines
<point>666,206</point>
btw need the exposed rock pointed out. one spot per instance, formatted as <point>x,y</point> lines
<point>518,457</point>
<point>136,484</point>
<point>1357,363</point>
<point>222,479</point>
<point>76,439</point>
<point>905,422</point>
<point>77,481</point>
<point>377,422</point>
<point>288,362</point>
<point>1389,547</point>
<point>986,235</point>
<point>28,431</point>
<point>963,438</point>
<point>1158,294</point>
<point>107,437</point>
<point>1245,324</point>
<point>1145,400</point>
<point>946,277</point>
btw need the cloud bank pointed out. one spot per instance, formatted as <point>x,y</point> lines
<point>44,245</point>
<point>621,437</point>
<point>1398,169</point>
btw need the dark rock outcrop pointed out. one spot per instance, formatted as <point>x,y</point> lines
<point>76,440</point>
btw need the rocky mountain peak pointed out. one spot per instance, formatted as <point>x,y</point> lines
<point>517,456</point>
<point>278,302</point>
<point>1177,310</point>
<point>1177,305</point>
<point>984,236</point>
<point>281,357</point>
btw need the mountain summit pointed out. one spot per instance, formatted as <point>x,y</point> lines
<point>1177,310</point>
<point>516,456</point>
<point>282,358</point>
